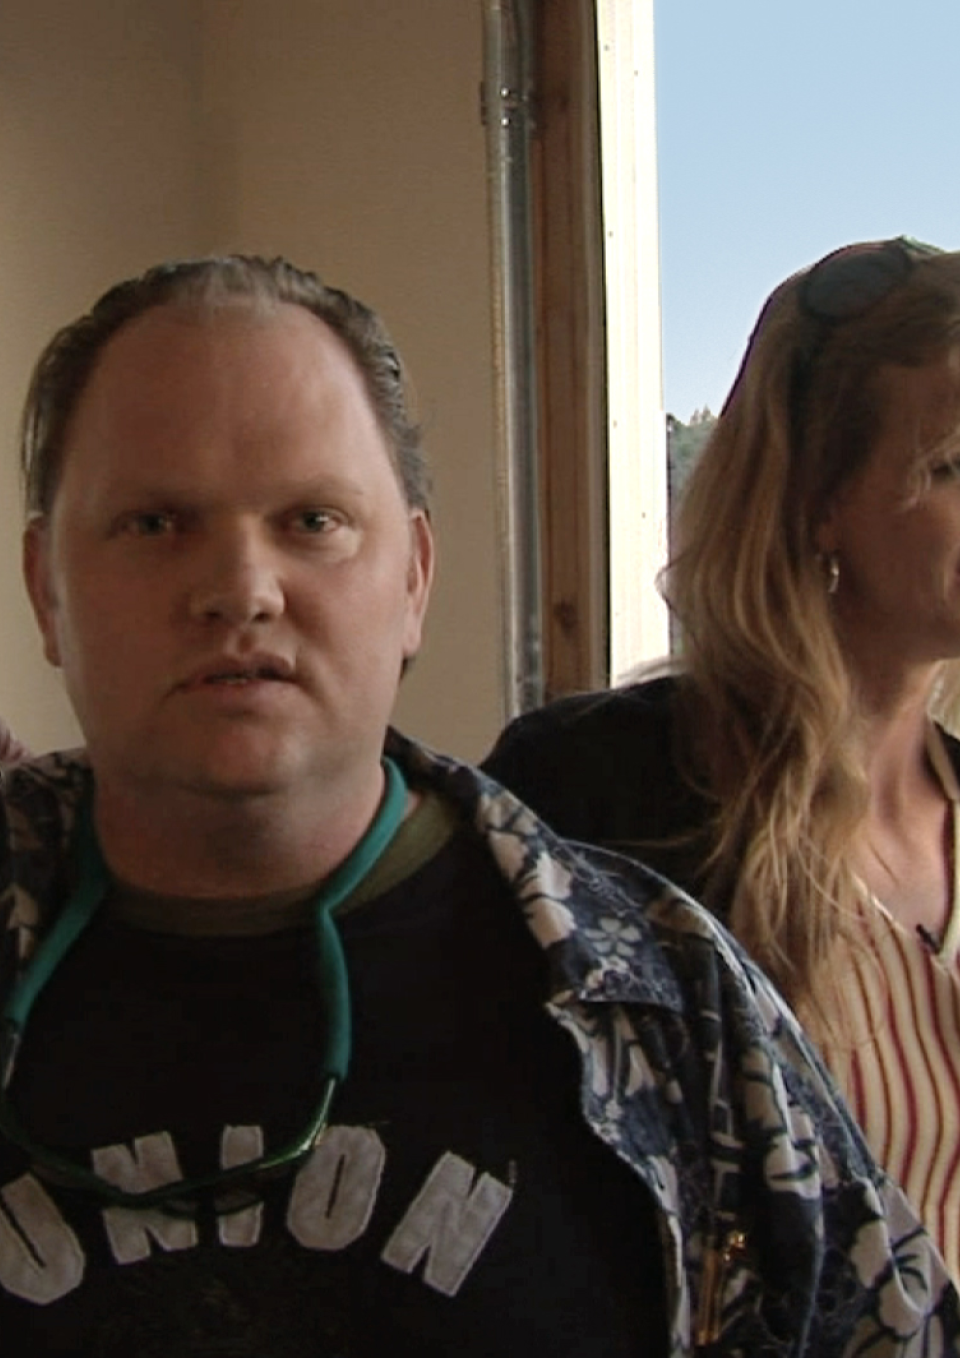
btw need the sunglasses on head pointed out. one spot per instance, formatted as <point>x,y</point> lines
<point>840,287</point>
<point>852,280</point>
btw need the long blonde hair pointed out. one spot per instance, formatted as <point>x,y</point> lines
<point>770,704</point>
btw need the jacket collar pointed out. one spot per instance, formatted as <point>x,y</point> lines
<point>584,906</point>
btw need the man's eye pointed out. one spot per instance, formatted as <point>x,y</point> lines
<point>150,523</point>
<point>315,520</point>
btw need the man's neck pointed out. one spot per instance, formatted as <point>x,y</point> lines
<point>179,842</point>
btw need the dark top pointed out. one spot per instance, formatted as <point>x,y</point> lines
<point>458,1204</point>
<point>605,768</point>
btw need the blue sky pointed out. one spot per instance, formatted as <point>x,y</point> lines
<point>786,128</point>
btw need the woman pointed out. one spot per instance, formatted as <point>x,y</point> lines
<point>790,772</point>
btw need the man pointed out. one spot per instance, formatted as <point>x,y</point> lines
<point>571,1119</point>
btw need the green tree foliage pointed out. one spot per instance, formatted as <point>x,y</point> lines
<point>684,442</point>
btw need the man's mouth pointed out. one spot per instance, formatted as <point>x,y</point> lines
<point>233,675</point>
<point>239,677</point>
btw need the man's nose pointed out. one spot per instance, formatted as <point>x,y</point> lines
<point>238,579</point>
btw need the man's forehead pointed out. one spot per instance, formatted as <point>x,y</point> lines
<point>181,328</point>
<point>277,392</point>
<point>173,364</point>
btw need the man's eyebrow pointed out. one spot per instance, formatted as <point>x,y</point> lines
<point>313,487</point>
<point>324,484</point>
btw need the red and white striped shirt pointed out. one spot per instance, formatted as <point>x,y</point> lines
<point>900,1069</point>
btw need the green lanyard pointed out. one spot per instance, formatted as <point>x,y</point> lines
<point>229,1190</point>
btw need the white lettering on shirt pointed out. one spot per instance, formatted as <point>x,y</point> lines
<point>151,1164</point>
<point>238,1146</point>
<point>334,1193</point>
<point>331,1205</point>
<point>40,1257</point>
<point>449,1221</point>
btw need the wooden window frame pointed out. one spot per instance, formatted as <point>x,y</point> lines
<point>571,354</point>
<point>603,499</point>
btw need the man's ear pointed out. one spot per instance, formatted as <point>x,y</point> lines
<point>419,580</point>
<point>38,578</point>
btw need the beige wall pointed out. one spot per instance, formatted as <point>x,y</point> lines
<point>342,134</point>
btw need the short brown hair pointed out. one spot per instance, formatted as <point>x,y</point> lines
<point>64,368</point>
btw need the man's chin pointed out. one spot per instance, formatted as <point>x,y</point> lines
<point>232,770</point>
<point>239,776</point>
<point>244,784</point>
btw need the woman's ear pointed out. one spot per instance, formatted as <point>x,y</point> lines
<point>826,535</point>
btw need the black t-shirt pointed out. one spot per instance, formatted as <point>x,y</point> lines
<point>457,1205</point>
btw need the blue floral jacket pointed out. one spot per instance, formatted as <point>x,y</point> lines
<point>781,1236</point>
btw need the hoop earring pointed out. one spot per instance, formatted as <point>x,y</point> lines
<point>831,564</point>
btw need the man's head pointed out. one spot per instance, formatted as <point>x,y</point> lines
<point>228,554</point>
<point>65,365</point>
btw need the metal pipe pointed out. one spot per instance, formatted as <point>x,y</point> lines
<point>509,119</point>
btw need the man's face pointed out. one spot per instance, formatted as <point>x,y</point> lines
<point>230,577</point>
